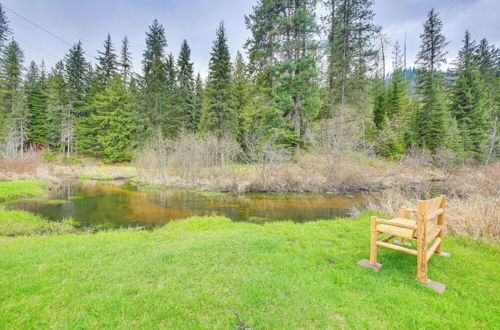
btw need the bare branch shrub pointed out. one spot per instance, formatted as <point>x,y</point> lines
<point>336,138</point>
<point>416,157</point>
<point>185,156</point>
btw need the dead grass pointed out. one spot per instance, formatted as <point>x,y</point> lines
<point>29,168</point>
<point>32,167</point>
<point>473,204</point>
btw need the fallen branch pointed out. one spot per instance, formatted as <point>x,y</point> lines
<point>242,324</point>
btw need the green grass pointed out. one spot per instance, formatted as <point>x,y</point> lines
<point>196,273</point>
<point>22,223</point>
<point>10,190</point>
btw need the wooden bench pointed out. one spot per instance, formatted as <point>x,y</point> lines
<point>424,225</point>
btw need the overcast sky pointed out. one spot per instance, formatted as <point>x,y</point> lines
<point>197,20</point>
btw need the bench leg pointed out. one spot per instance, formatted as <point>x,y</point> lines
<point>373,246</point>
<point>372,263</point>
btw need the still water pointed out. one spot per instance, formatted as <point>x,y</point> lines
<point>123,205</point>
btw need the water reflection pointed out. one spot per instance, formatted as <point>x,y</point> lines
<point>94,203</point>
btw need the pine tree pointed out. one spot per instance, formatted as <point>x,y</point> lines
<point>282,51</point>
<point>468,101</point>
<point>113,122</point>
<point>126,62</point>
<point>184,96</point>
<point>198,100</point>
<point>349,49</point>
<point>488,63</point>
<point>106,62</point>
<point>380,104</point>
<point>11,73</point>
<point>78,72</point>
<point>78,79</point>
<point>5,30</point>
<point>241,91</point>
<point>36,100</point>
<point>154,76</point>
<point>398,101</point>
<point>218,116</point>
<point>57,101</point>
<point>172,118</point>
<point>431,116</point>
<point>392,113</point>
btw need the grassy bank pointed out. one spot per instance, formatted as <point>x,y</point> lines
<point>196,273</point>
<point>10,190</point>
<point>22,223</point>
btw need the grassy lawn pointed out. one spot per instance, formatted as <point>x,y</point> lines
<point>196,273</point>
<point>10,190</point>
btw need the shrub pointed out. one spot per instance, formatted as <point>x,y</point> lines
<point>48,155</point>
<point>73,159</point>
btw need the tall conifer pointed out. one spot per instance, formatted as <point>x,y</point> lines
<point>431,116</point>
<point>218,115</point>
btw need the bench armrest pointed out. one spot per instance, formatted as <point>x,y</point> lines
<point>396,224</point>
<point>405,211</point>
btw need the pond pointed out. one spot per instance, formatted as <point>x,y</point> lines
<point>121,204</point>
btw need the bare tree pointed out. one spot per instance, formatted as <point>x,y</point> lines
<point>336,137</point>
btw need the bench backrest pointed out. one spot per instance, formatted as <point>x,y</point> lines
<point>431,208</point>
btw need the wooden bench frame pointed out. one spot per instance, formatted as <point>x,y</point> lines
<point>428,228</point>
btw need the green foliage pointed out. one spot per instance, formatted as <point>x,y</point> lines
<point>5,30</point>
<point>172,120</point>
<point>125,64</point>
<point>48,155</point>
<point>77,78</point>
<point>349,49</point>
<point>282,54</point>
<point>198,101</point>
<point>11,65</point>
<point>468,102</point>
<point>36,99</point>
<point>272,98</point>
<point>430,120</point>
<point>380,104</point>
<point>106,62</point>
<point>241,89</point>
<point>185,93</point>
<point>57,106</point>
<point>112,122</point>
<point>217,114</point>
<point>153,92</point>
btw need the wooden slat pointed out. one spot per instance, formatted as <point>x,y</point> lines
<point>385,239</point>
<point>433,248</point>
<point>434,204</point>
<point>396,231</point>
<point>396,247</point>
<point>407,224</point>
<point>432,232</point>
<point>434,214</point>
